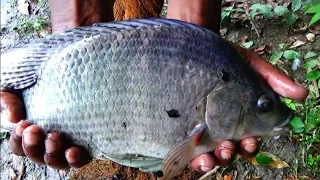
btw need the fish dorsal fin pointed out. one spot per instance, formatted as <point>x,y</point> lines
<point>148,23</point>
<point>20,66</point>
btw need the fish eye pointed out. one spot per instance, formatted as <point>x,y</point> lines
<point>265,103</point>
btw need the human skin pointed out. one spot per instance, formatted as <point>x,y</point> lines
<point>54,150</point>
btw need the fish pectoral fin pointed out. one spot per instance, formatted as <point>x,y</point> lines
<point>180,155</point>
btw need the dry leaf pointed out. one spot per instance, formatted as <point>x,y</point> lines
<point>260,52</point>
<point>13,175</point>
<point>286,4</point>
<point>305,177</point>
<point>297,43</point>
<point>276,162</point>
<point>301,29</point>
<point>269,49</point>
<point>243,39</point>
<point>315,29</point>
<point>261,48</point>
<point>234,174</point>
<point>223,31</point>
<point>23,7</point>
<point>227,177</point>
<point>289,178</point>
<point>21,172</point>
<point>310,37</point>
<point>218,176</point>
<point>271,2</point>
<point>243,175</point>
<point>211,173</point>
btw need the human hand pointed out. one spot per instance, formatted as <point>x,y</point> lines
<point>206,13</point>
<point>30,140</point>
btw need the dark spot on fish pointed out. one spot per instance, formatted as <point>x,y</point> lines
<point>173,113</point>
<point>225,76</point>
<point>124,124</point>
<point>176,163</point>
<point>159,173</point>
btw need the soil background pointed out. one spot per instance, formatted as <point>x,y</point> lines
<point>272,32</point>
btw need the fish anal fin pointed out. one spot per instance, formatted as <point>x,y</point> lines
<point>179,156</point>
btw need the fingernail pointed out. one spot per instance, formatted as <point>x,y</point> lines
<point>226,154</point>
<point>70,157</point>
<point>51,146</point>
<point>250,148</point>
<point>19,130</point>
<point>30,139</point>
<point>204,168</point>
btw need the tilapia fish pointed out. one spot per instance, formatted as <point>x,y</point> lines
<point>145,93</point>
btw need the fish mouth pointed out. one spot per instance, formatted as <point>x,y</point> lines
<point>281,126</point>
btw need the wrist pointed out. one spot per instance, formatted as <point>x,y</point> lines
<point>205,13</point>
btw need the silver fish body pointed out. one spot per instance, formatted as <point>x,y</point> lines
<point>131,88</point>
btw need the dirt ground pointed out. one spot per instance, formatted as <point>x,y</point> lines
<point>273,32</point>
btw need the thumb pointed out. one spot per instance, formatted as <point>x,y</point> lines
<point>279,81</point>
<point>12,107</point>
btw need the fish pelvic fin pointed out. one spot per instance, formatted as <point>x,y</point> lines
<point>144,163</point>
<point>179,157</point>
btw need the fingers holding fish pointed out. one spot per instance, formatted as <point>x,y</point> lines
<point>54,151</point>
<point>249,147</point>
<point>29,140</point>
<point>203,163</point>
<point>77,157</point>
<point>12,106</point>
<point>33,143</point>
<point>15,142</point>
<point>225,153</point>
<point>280,82</point>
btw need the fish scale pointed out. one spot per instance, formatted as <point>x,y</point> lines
<point>133,91</point>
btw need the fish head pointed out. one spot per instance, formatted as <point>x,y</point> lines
<point>244,108</point>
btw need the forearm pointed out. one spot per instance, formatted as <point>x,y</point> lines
<point>72,13</point>
<point>206,13</point>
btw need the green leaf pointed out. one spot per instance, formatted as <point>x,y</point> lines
<point>296,5</point>
<point>310,54</point>
<point>292,106</point>
<point>313,75</point>
<point>276,56</point>
<point>291,54</point>
<point>311,159</point>
<point>263,159</point>
<point>264,9</point>
<point>281,10</point>
<point>310,64</point>
<point>313,121</point>
<point>226,13</point>
<point>315,18</point>
<point>291,19</point>
<point>4,135</point>
<point>247,44</point>
<point>319,83</point>
<point>297,125</point>
<point>287,100</point>
<point>313,9</point>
